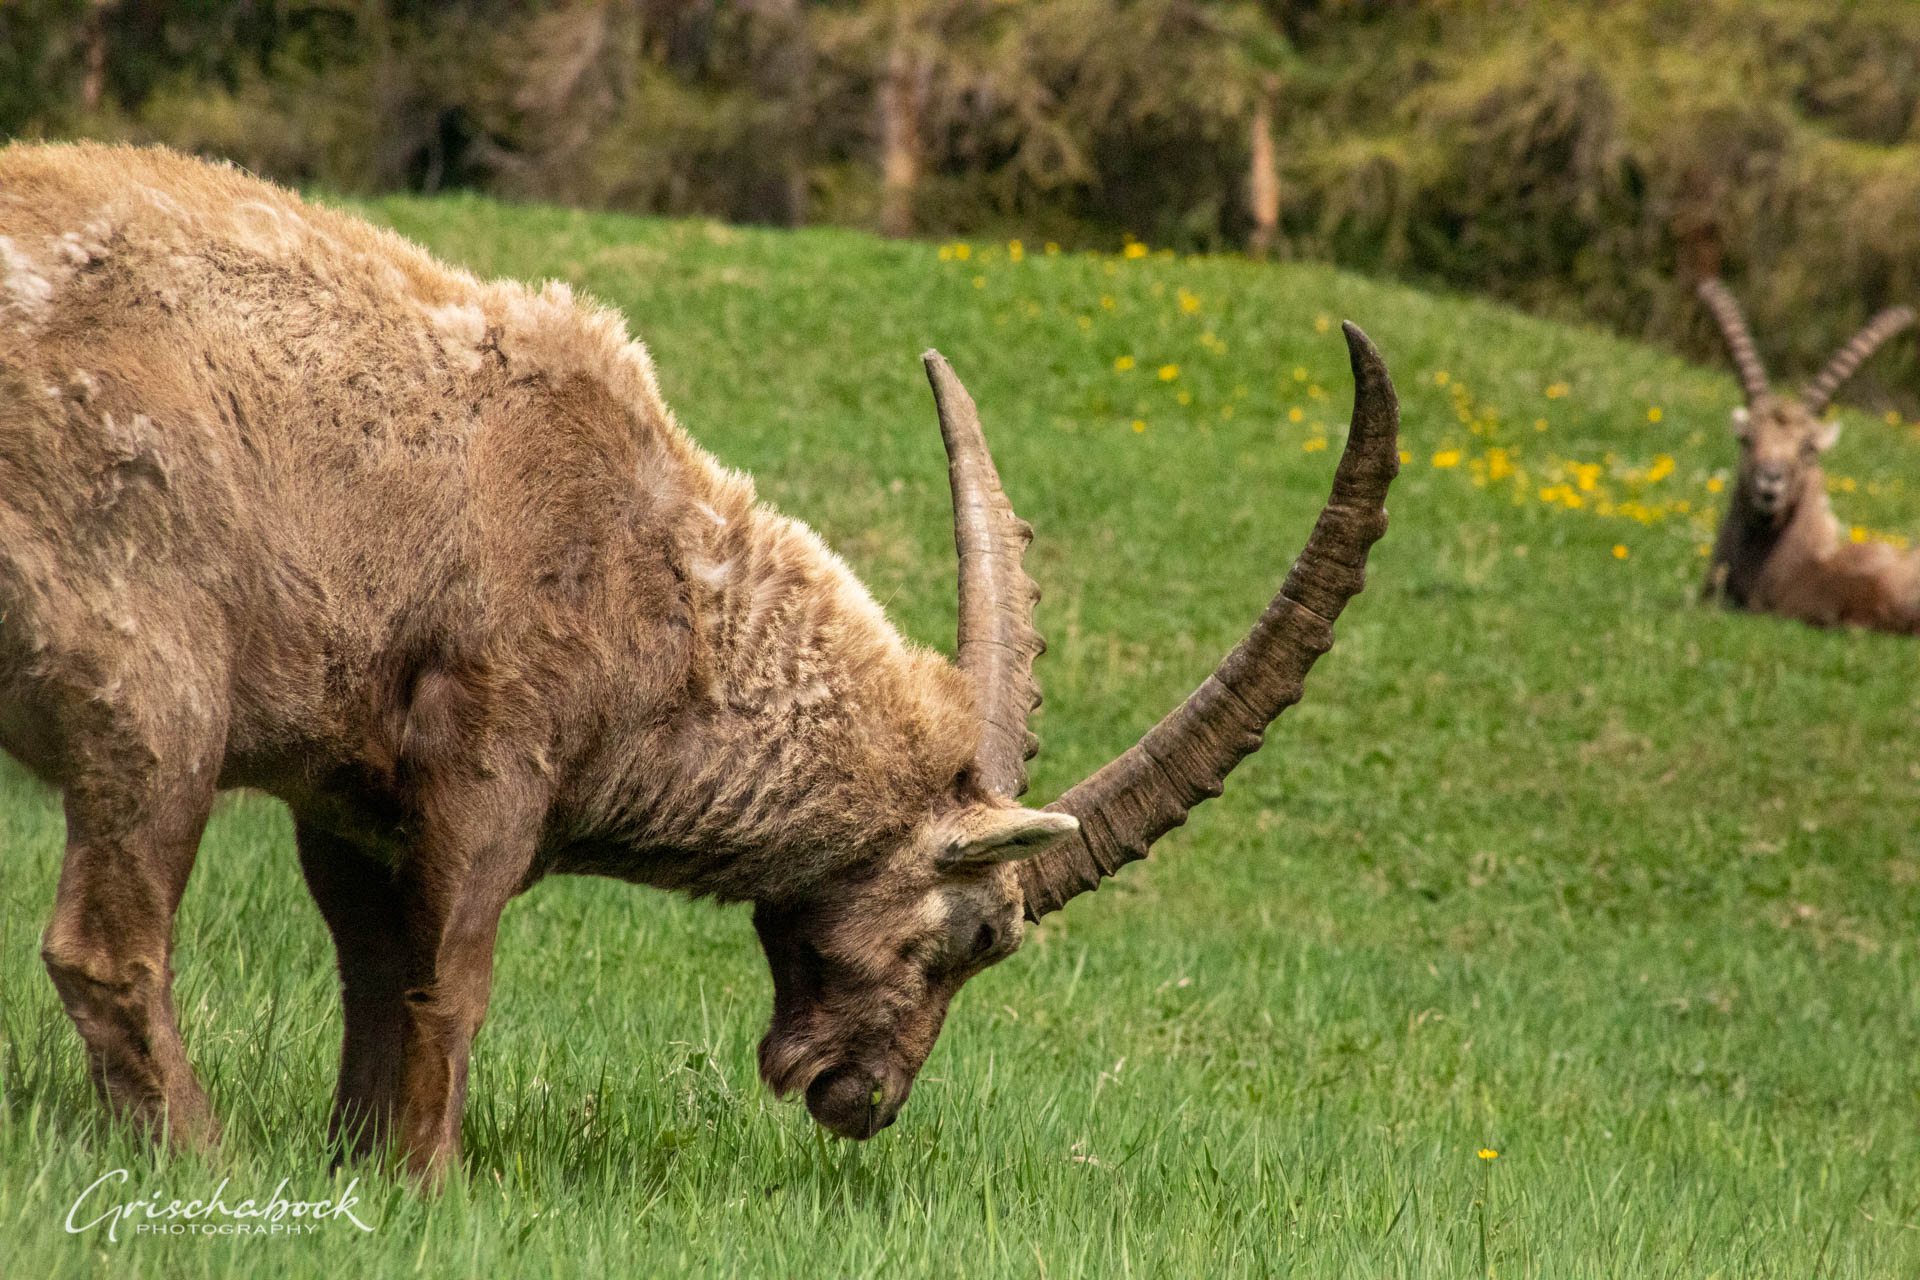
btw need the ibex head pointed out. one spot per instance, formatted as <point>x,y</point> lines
<point>862,982</point>
<point>1781,439</point>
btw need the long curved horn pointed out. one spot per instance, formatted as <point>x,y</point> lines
<point>1185,758</point>
<point>1733,327</point>
<point>998,642</point>
<point>1848,359</point>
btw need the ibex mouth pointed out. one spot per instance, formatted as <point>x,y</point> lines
<point>852,1103</point>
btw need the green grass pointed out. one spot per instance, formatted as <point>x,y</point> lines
<point>1550,861</point>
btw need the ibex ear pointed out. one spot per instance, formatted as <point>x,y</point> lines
<point>1742,423</point>
<point>981,834</point>
<point>1825,435</point>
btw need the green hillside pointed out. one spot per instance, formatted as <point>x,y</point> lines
<point>1551,862</point>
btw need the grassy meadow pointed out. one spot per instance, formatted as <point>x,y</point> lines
<point>1551,863</point>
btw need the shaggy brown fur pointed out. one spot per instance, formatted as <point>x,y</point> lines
<point>1780,548</point>
<point>284,503</point>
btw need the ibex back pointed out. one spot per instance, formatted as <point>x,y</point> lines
<point>286,504</point>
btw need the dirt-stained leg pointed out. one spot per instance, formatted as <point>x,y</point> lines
<point>135,812</point>
<point>360,901</point>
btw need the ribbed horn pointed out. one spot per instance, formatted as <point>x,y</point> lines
<point>1149,789</point>
<point>1848,359</point>
<point>1733,327</point>
<point>998,642</point>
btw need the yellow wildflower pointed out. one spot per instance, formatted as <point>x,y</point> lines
<point>1139,424</point>
<point>1189,301</point>
<point>946,253</point>
<point>1135,250</point>
<point>1015,250</point>
<point>1122,364</point>
<point>1557,390</point>
<point>1106,302</point>
<point>1654,414</point>
<point>1619,551</point>
<point>1313,444</point>
<point>1322,323</point>
<point>1168,372</point>
<point>1447,458</point>
<point>963,251</point>
<point>1441,378</point>
<point>1296,414</point>
<point>1539,424</point>
<point>1299,374</point>
<point>1715,484</point>
<point>1856,533</point>
<point>1662,468</point>
<point>1185,397</point>
<point>979,282</point>
<point>1405,457</point>
<point>1488,1153</point>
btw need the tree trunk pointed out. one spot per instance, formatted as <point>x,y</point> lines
<point>93,86</point>
<point>903,95</point>
<point>780,67</point>
<point>1263,179</point>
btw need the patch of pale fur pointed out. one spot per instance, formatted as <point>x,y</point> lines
<point>713,574</point>
<point>460,328</point>
<point>26,285</point>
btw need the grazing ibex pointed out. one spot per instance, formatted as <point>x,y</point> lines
<point>1780,548</point>
<point>287,504</point>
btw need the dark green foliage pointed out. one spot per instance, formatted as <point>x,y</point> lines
<point>1581,158</point>
<point>1585,159</point>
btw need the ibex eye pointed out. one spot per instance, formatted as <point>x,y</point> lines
<point>985,940</point>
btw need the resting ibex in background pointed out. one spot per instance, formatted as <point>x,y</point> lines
<point>1780,548</point>
<point>285,503</point>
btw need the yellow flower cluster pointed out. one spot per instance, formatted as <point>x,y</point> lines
<point>1609,488</point>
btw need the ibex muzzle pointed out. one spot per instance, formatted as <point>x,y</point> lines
<point>285,503</point>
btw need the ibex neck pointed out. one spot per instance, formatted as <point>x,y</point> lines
<point>1750,538</point>
<point>808,735</point>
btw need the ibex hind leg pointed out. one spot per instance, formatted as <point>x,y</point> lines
<point>361,903</point>
<point>138,759</point>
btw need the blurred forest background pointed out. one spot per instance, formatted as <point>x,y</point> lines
<point>1583,159</point>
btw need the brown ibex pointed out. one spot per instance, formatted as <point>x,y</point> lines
<point>287,504</point>
<point>1780,549</point>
